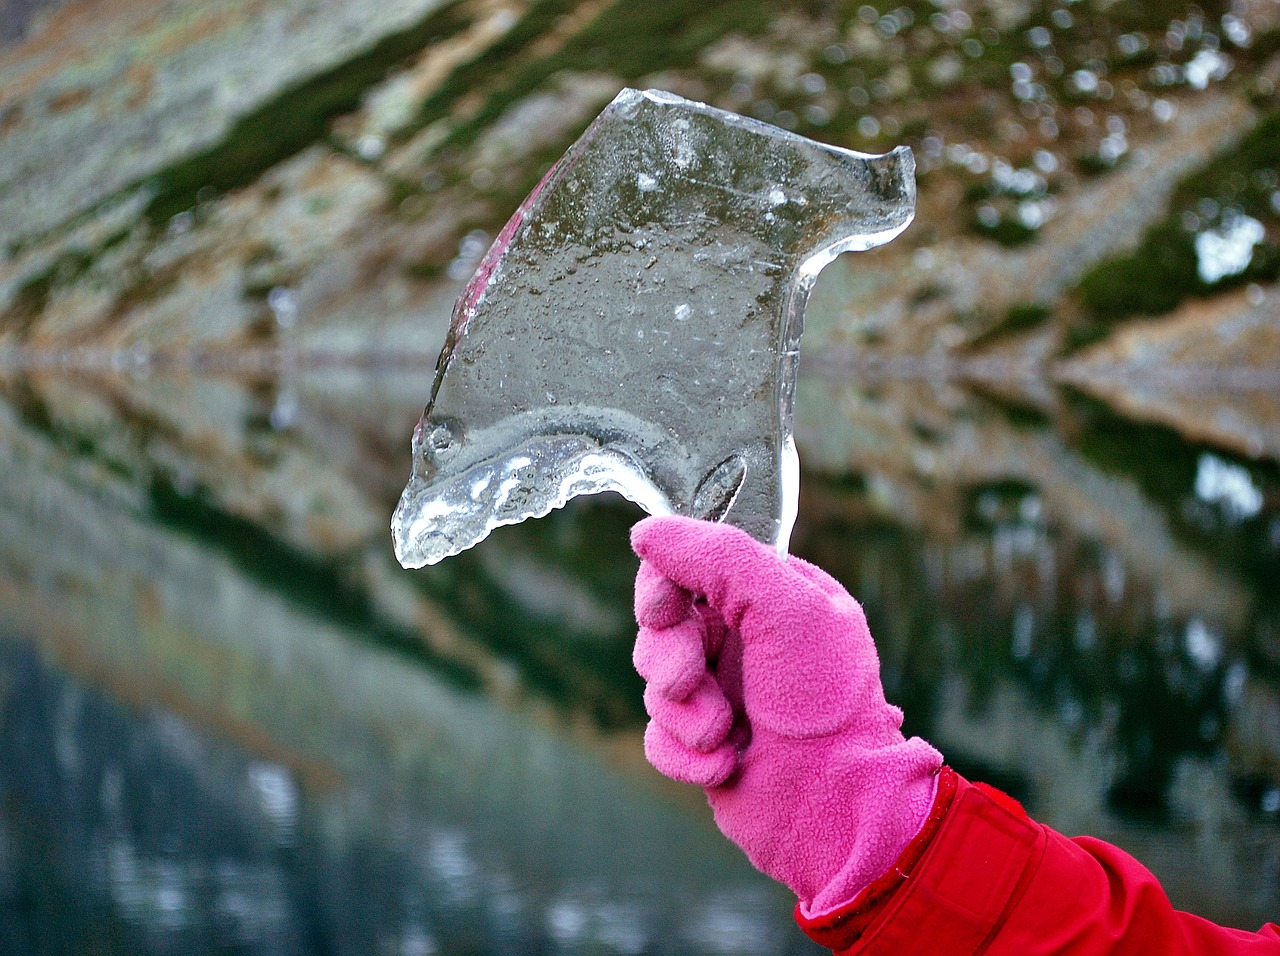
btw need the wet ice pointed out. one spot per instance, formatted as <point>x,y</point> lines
<point>635,327</point>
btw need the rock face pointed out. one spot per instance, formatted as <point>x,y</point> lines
<point>164,168</point>
<point>104,98</point>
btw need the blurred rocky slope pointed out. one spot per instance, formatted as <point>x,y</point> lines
<point>217,182</point>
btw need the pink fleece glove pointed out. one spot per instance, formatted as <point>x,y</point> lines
<point>763,686</point>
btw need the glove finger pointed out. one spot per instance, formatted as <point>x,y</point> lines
<point>659,601</point>
<point>808,664</point>
<point>701,722</point>
<point>725,564</point>
<point>672,660</point>
<point>673,759</point>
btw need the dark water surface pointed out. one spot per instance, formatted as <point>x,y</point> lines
<point>230,723</point>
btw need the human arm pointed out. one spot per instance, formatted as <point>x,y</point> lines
<point>764,688</point>
<point>987,879</point>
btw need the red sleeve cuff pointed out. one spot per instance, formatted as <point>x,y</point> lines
<point>981,877</point>
<point>966,820</point>
<point>839,928</point>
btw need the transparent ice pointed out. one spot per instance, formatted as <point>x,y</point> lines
<point>635,327</point>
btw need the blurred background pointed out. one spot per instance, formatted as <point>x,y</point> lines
<point>1040,435</point>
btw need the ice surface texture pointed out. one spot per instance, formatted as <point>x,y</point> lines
<point>635,326</point>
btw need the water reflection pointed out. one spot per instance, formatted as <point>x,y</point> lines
<point>127,828</point>
<point>228,720</point>
<point>1077,606</point>
<point>165,840</point>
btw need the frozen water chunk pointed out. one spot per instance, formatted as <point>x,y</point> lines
<point>635,327</point>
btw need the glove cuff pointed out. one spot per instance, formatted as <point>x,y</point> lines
<point>902,787</point>
<point>845,920</point>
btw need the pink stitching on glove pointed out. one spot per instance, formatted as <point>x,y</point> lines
<point>763,686</point>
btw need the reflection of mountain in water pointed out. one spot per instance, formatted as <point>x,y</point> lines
<point>1079,604</point>
<point>204,758</point>
<point>135,831</point>
<point>1070,622</point>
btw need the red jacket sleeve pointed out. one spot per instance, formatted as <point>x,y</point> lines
<point>992,881</point>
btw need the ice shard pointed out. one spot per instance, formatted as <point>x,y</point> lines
<point>635,326</point>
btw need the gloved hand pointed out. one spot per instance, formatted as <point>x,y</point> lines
<point>763,686</point>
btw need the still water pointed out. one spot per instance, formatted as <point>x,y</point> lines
<point>229,722</point>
